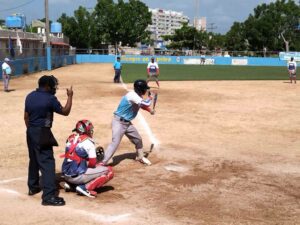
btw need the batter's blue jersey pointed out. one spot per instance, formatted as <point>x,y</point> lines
<point>129,106</point>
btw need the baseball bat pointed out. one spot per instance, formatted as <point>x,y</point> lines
<point>155,100</point>
<point>151,148</point>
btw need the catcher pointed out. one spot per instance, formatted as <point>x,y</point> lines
<point>81,168</point>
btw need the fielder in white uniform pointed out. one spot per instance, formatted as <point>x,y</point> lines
<point>6,72</point>
<point>121,124</point>
<point>292,67</point>
<point>153,71</point>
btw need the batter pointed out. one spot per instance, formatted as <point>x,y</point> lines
<point>121,124</point>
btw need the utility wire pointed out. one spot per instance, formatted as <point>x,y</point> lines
<point>16,7</point>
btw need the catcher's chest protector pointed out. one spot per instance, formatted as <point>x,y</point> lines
<point>71,153</point>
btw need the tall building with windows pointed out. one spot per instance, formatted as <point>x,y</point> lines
<point>200,24</point>
<point>165,22</point>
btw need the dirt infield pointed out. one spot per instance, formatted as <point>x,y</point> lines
<point>229,153</point>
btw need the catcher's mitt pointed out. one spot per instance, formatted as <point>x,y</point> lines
<point>99,153</point>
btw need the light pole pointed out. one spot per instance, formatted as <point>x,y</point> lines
<point>48,46</point>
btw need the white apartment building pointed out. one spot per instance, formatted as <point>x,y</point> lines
<point>200,24</point>
<point>165,22</point>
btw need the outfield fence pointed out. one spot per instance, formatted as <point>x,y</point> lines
<point>183,60</point>
<point>35,60</point>
<point>165,52</point>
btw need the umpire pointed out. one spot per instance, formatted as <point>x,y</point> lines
<point>39,107</point>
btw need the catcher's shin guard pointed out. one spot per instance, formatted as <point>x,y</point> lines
<point>100,181</point>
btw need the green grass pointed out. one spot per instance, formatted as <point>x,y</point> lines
<point>131,72</point>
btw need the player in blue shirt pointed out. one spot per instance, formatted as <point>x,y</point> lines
<point>117,68</point>
<point>121,124</point>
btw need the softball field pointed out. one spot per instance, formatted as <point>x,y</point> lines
<point>226,152</point>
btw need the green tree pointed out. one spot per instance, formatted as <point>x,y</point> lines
<point>188,37</point>
<point>268,27</point>
<point>235,39</point>
<point>2,22</point>
<point>124,22</point>
<point>185,37</point>
<point>80,29</point>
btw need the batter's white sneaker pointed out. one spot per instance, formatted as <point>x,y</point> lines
<point>144,160</point>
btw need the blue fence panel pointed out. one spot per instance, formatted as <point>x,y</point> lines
<point>36,64</point>
<point>260,61</point>
<point>81,58</point>
<point>221,60</point>
<point>217,60</point>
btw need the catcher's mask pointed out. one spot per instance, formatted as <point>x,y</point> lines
<point>49,81</point>
<point>84,127</point>
<point>140,87</point>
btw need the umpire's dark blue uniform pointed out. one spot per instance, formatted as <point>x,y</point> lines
<point>40,105</point>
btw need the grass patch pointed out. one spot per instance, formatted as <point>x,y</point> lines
<point>131,72</point>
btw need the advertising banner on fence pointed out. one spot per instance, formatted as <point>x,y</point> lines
<point>287,55</point>
<point>196,61</point>
<point>146,59</point>
<point>239,62</point>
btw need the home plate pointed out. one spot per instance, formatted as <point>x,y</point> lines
<point>176,168</point>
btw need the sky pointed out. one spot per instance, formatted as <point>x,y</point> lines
<point>220,14</point>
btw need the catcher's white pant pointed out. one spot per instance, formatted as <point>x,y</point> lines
<point>119,128</point>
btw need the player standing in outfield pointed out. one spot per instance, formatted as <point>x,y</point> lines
<point>202,59</point>
<point>117,68</point>
<point>121,124</point>
<point>80,166</point>
<point>6,72</point>
<point>153,71</point>
<point>292,67</point>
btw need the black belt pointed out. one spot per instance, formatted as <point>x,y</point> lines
<point>123,120</point>
<point>72,176</point>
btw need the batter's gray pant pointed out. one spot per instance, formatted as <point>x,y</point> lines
<point>119,128</point>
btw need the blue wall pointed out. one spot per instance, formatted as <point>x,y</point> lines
<point>137,59</point>
<point>36,64</point>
